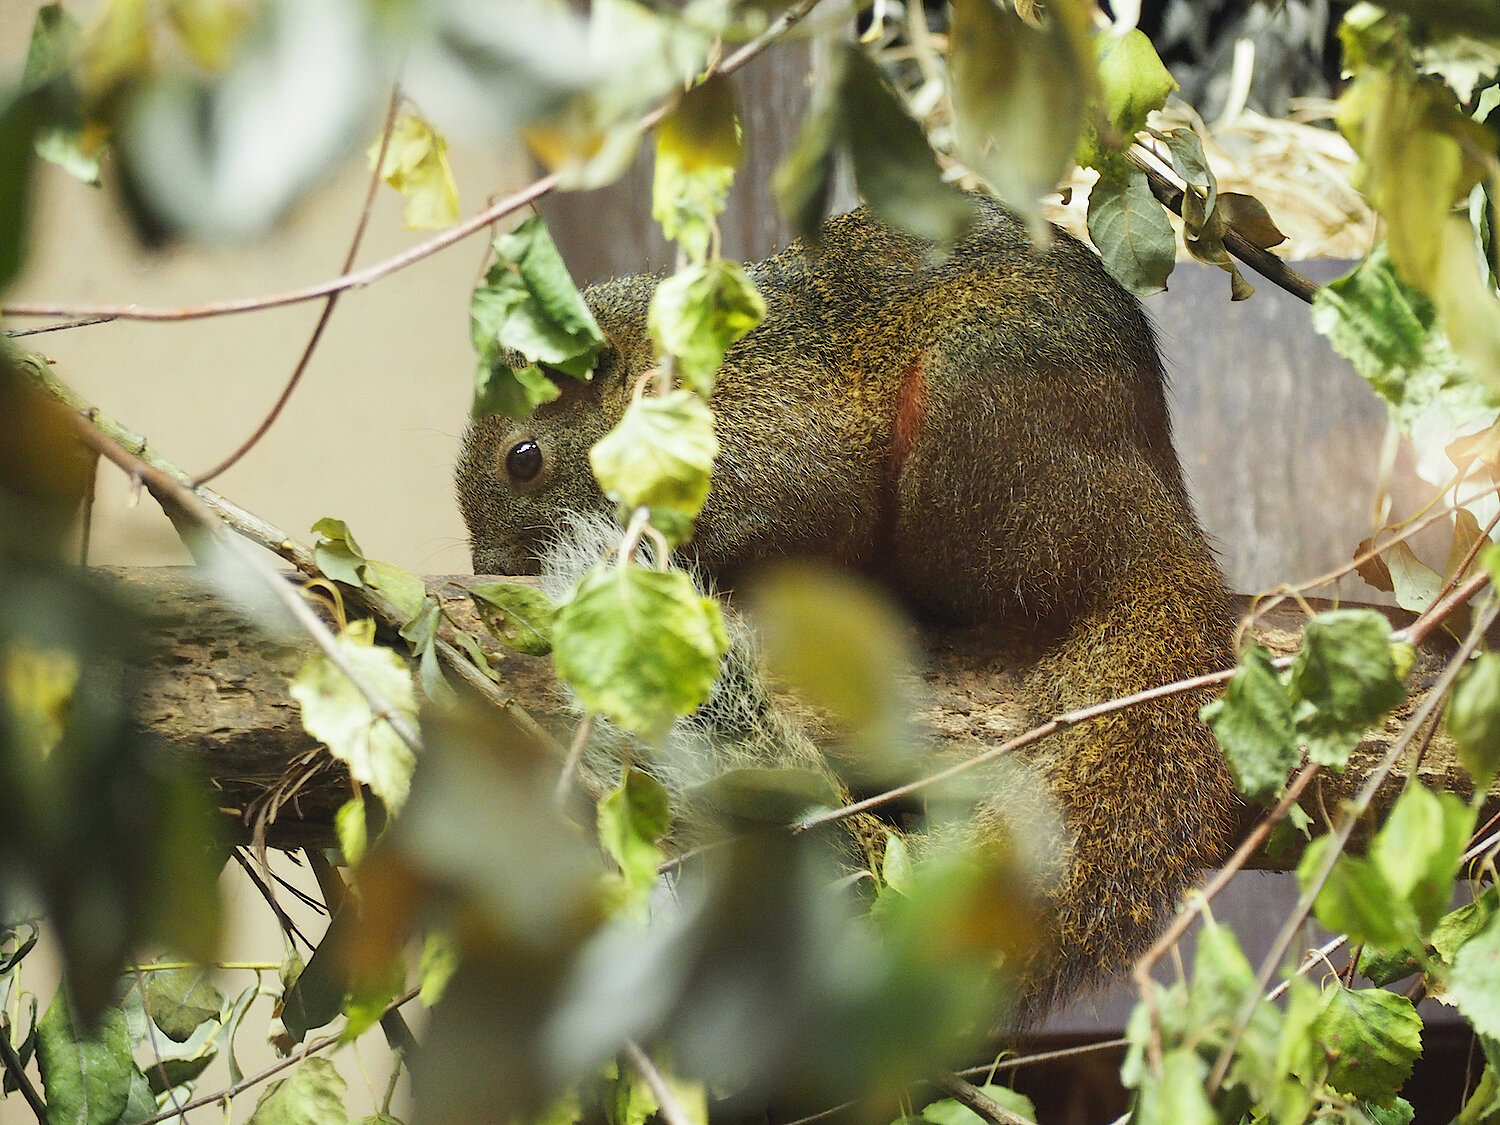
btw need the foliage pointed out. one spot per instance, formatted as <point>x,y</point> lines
<point>547,953</point>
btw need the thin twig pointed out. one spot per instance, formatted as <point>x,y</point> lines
<point>181,501</point>
<point>1018,1061</point>
<point>666,1101</point>
<point>288,927</point>
<point>575,755</point>
<point>17,1072</point>
<point>967,1094</point>
<point>1035,734</point>
<point>17,333</point>
<point>328,306</point>
<point>1340,837</point>
<point>229,1092</point>
<point>372,273</point>
<point>1262,261</point>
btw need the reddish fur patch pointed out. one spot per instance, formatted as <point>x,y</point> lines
<point>906,428</point>
<point>911,409</point>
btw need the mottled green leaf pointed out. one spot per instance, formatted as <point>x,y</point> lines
<point>1253,722</point>
<point>1373,1039</point>
<point>1474,979</point>
<point>639,646</point>
<point>87,1075</point>
<point>697,313</point>
<point>660,455</point>
<point>519,616</point>
<point>313,1095</point>
<point>1458,926</point>
<point>180,1000</point>
<point>1346,672</point>
<point>698,148</point>
<point>403,589</point>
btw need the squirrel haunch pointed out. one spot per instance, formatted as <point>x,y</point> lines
<point>987,434</point>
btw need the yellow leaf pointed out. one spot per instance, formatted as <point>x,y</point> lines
<point>416,165</point>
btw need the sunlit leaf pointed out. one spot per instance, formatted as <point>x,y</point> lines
<point>660,455</point>
<point>1132,83</point>
<point>518,615</point>
<point>697,313</point>
<point>1176,1096</point>
<point>352,829</point>
<point>210,29</point>
<point>334,712</point>
<point>403,589</point>
<point>1358,900</point>
<point>640,646</point>
<point>416,165</point>
<point>337,553</point>
<point>1420,846</point>
<point>512,391</point>
<point>1474,978</point>
<point>698,148</point>
<point>950,1111</point>
<point>1374,1039</point>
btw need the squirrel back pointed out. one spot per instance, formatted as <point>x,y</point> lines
<point>987,435</point>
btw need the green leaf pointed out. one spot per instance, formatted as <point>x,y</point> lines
<point>639,646</point>
<point>697,313</point>
<point>530,305</point>
<point>950,1111</point>
<point>337,554</point>
<point>1020,95</point>
<point>1176,1097</point>
<point>803,182</point>
<point>1358,900</point>
<point>403,589</point>
<point>335,713</point>
<point>87,1075</point>
<point>352,829</point>
<point>632,818</point>
<point>313,1095</point>
<point>517,615</point>
<point>1132,83</point>
<point>436,965</point>
<point>416,165</point>
<point>894,168</point>
<point>1386,966</point>
<point>1387,329</point>
<point>1345,670</point>
<point>180,1000</point>
<point>1253,722</point>
<point>1474,979</point>
<point>769,796</point>
<point>55,41</point>
<point>896,868</point>
<point>512,391</point>
<point>698,147</point>
<point>1250,218</point>
<point>1458,926</point>
<point>660,455</point>
<point>19,121</point>
<point>1373,1039</point>
<point>1132,231</point>
<point>1189,162</point>
<point>1419,849</point>
<point>1473,718</point>
<point>1221,977</point>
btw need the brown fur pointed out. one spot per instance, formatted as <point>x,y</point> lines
<point>987,434</point>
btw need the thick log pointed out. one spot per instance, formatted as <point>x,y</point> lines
<point>217,693</point>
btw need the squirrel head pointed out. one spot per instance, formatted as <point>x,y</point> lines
<point>520,482</point>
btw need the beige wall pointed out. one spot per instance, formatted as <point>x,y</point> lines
<point>370,437</point>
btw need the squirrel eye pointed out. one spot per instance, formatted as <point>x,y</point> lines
<point>524,461</point>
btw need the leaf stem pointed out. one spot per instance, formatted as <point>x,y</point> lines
<point>17,1072</point>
